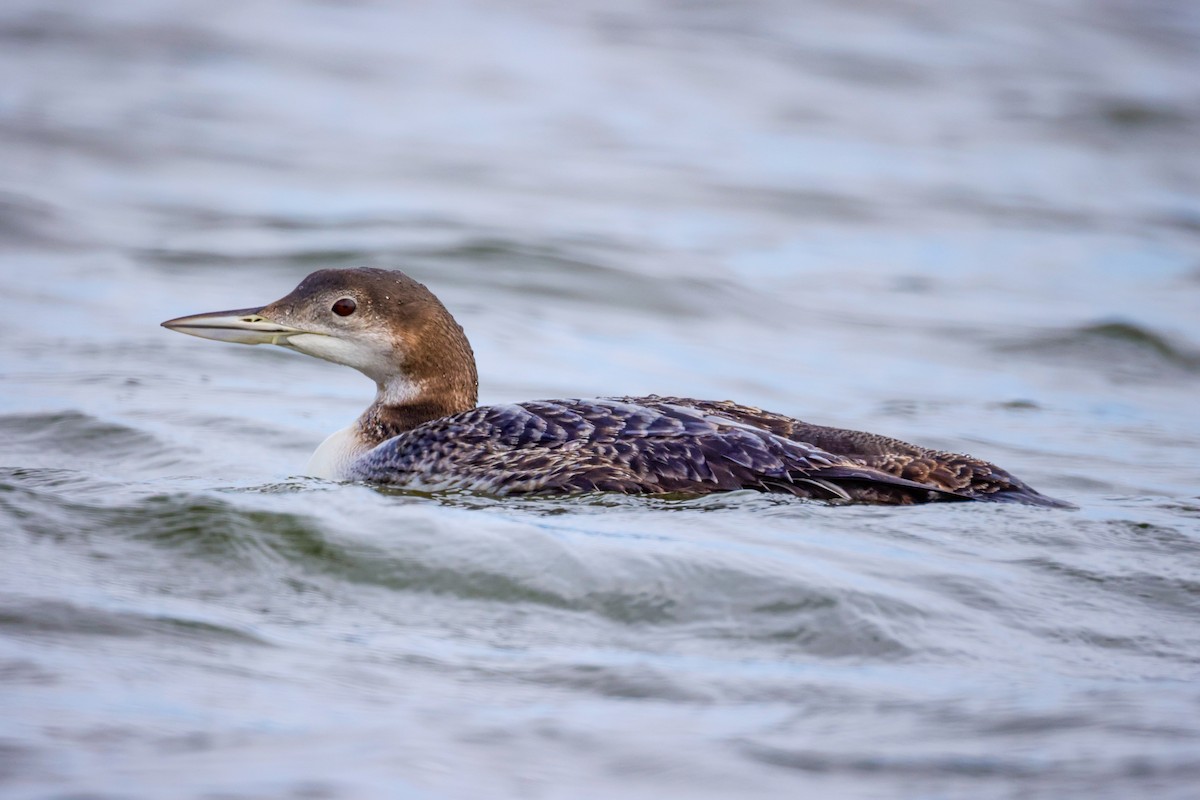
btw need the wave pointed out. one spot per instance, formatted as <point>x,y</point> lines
<point>1121,348</point>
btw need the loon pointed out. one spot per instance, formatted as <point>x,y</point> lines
<point>424,431</point>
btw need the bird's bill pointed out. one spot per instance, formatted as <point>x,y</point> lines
<point>243,326</point>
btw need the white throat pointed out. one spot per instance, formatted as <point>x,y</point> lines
<point>397,391</point>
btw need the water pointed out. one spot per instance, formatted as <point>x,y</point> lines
<point>975,226</point>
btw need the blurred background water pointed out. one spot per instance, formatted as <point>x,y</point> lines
<point>971,225</point>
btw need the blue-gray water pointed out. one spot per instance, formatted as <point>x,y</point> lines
<point>971,225</point>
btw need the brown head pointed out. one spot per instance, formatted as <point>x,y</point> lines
<point>381,322</point>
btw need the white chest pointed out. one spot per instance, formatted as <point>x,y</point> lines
<point>333,458</point>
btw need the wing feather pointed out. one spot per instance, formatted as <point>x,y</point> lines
<point>633,445</point>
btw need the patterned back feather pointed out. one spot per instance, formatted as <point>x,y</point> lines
<point>673,445</point>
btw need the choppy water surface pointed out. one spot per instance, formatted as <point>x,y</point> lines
<point>975,225</point>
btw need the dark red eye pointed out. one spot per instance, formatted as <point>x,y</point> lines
<point>344,307</point>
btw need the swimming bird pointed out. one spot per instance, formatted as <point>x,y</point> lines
<point>424,430</point>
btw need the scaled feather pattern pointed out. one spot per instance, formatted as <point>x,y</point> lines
<point>670,445</point>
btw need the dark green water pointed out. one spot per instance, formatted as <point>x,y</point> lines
<point>975,226</point>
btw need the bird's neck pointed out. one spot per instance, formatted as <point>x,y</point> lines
<point>404,402</point>
<point>400,405</point>
<point>435,375</point>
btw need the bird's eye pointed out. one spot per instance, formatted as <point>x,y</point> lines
<point>344,307</point>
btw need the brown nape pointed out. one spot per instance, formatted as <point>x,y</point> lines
<point>436,357</point>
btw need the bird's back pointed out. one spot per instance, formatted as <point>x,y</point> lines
<point>658,445</point>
